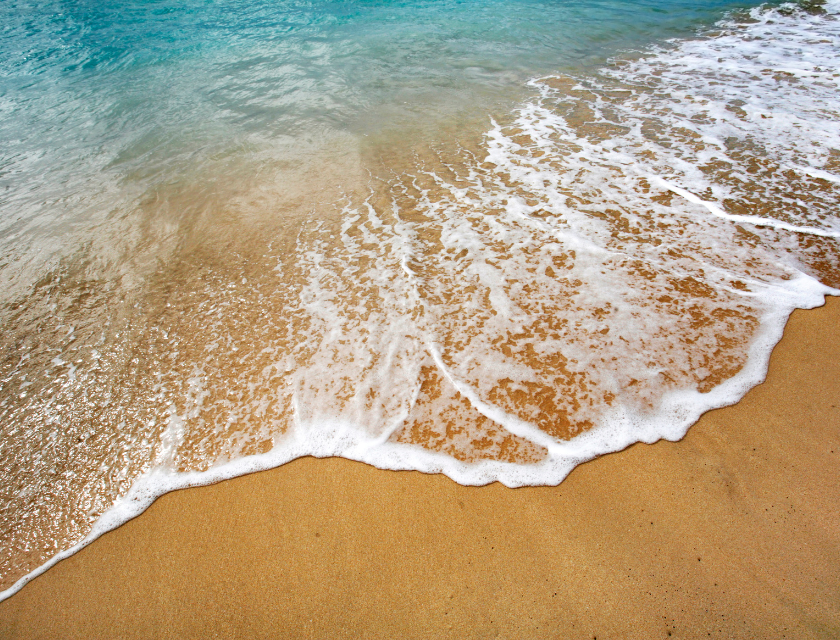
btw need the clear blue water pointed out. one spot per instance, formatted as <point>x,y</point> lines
<point>170,77</point>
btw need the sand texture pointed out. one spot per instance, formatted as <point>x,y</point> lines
<point>734,532</point>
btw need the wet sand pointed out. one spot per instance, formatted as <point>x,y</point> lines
<point>733,532</point>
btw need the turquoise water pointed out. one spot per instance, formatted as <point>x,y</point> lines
<point>487,239</point>
<point>276,68</point>
<point>155,82</point>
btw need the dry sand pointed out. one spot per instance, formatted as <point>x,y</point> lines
<point>733,532</point>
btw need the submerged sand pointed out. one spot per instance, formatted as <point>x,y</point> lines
<point>732,532</point>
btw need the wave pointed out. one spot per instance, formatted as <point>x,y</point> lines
<point>617,257</point>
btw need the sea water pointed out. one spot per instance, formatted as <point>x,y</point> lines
<point>481,238</point>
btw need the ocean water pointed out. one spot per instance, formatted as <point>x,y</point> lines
<point>481,238</point>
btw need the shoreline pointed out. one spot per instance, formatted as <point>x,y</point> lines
<point>728,532</point>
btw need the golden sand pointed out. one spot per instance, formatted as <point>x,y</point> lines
<point>732,532</point>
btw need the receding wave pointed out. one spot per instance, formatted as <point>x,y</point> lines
<point>613,259</point>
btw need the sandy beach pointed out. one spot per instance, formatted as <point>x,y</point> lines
<point>732,533</point>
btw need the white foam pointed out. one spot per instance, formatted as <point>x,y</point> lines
<point>755,220</point>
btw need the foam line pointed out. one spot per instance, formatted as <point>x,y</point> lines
<point>753,220</point>
<point>512,424</point>
<point>819,173</point>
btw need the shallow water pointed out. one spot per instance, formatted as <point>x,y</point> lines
<point>238,234</point>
